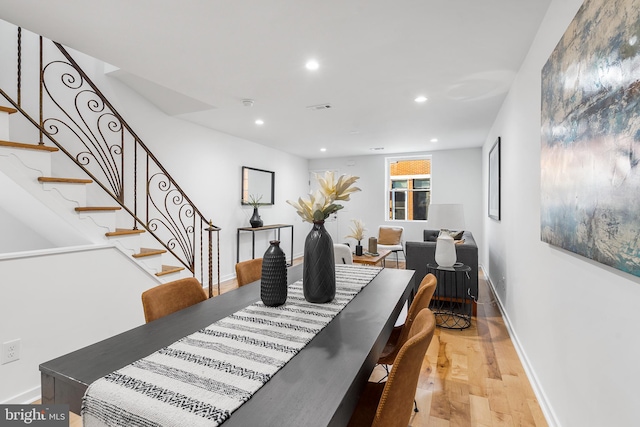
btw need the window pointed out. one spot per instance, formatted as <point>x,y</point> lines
<point>409,187</point>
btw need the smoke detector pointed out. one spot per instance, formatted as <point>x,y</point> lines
<point>247,102</point>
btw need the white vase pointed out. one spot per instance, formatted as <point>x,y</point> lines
<point>445,251</point>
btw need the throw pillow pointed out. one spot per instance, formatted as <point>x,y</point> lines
<point>455,235</point>
<point>389,236</point>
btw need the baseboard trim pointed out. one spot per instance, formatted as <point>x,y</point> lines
<point>24,398</point>
<point>546,407</point>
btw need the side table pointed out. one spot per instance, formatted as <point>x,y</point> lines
<point>451,302</point>
<point>371,259</point>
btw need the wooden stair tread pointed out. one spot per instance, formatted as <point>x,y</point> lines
<point>65,180</point>
<point>123,232</point>
<point>35,147</point>
<point>8,110</point>
<point>144,252</point>
<point>168,269</point>
<point>97,208</point>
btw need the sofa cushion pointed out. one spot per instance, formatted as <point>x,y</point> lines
<point>431,235</point>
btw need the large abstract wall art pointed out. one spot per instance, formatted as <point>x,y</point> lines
<point>590,154</point>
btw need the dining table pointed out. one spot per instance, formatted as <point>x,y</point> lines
<point>319,386</point>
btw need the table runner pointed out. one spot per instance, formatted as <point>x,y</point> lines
<point>202,378</point>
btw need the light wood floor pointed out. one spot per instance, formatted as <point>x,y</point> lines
<point>469,378</point>
<point>474,377</point>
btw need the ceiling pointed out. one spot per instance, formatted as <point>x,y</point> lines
<point>199,59</point>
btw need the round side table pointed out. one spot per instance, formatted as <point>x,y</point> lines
<point>451,302</point>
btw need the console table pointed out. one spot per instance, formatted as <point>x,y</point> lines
<point>253,231</point>
<point>452,302</point>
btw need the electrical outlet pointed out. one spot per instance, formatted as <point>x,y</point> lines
<point>10,351</point>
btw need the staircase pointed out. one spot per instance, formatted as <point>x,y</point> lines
<point>134,203</point>
<point>27,162</point>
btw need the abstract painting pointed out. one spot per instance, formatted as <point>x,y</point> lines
<point>590,153</point>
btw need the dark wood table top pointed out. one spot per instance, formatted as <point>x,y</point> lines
<point>320,386</point>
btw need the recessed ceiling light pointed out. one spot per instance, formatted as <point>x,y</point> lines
<point>434,139</point>
<point>312,65</point>
<point>259,122</point>
<point>323,149</point>
<point>421,99</point>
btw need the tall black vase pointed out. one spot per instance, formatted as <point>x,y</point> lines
<point>255,219</point>
<point>273,281</point>
<point>319,268</point>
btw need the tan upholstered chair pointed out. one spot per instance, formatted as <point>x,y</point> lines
<point>342,254</point>
<point>400,334</point>
<point>390,238</point>
<point>170,297</point>
<point>248,271</point>
<point>390,404</point>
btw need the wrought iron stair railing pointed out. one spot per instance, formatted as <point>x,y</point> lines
<point>77,118</point>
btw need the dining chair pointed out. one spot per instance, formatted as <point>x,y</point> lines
<point>389,404</point>
<point>170,297</point>
<point>342,254</point>
<point>390,238</point>
<point>248,271</point>
<point>400,334</point>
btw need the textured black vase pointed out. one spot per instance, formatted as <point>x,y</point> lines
<point>273,282</point>
<point>255,220</point>
<point>319,268</point>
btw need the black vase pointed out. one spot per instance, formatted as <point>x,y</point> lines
<point>273,281</point>
<point>255,220</point>
<point>319,268</point>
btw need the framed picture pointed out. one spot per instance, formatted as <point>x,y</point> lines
<point>494,181</point>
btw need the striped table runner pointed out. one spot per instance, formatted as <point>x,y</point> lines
<point>202,378</point>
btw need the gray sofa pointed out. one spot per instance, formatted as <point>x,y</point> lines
<point>419,254</point>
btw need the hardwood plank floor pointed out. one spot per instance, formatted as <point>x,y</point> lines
<point>474,377</point>
<point>471,377</point>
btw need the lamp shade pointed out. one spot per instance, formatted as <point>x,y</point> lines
<point>446,216</point>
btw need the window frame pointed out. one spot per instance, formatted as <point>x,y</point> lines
<point>390,209</point>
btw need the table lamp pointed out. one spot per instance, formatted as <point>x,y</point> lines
<point>446,217</point>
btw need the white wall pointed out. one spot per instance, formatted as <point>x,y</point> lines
<point>58,301</point>
<point>456,178</point>
<point>575,320</point>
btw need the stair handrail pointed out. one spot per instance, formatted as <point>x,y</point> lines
<point>182,204</point>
